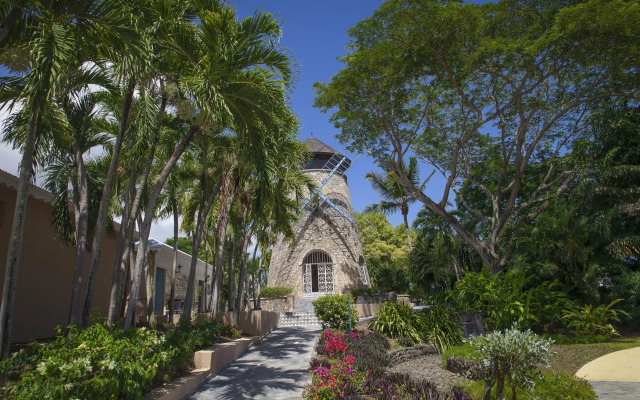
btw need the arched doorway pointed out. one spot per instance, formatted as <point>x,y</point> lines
<point>317,272</point>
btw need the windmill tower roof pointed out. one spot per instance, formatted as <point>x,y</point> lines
<point>317,146</point>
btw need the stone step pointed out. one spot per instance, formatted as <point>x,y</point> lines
<point>298,319</point>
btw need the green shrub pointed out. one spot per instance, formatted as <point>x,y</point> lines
<point>333,311</point>
<point>589,320</point>
<point>509,297</point>
<point>437,327</point>
<point>465,350</point>
<point>363,291</point>
<point>548,386</point>
<point>105,363</point>
<point>275,292</point>
<point>513,356</point>
<point>98,362</point>
<point>395,320</point>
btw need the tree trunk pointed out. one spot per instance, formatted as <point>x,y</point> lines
<point>15,242</point>
<point>226,202</point>
<point>248,231</point>
<point>151,273</point>
<point>82,221</point>
<point>258,286</point>
<point>253,264</point>
<point>408,230</point>
<point>172,298</point>
<point>133,210</point>
<point>105,202</point>
<point>148,219</point>
<point>232,273</point>
<point>122,252</point>
<point>197,238</point>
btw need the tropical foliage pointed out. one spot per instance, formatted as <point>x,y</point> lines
<point>103,362</point>
<point>145,110</point>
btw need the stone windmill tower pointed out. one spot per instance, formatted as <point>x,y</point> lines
<point>326,256</point>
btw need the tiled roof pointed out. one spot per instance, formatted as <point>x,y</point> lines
<point>317,146</point>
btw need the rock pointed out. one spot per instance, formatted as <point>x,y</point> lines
<point>473,370</point>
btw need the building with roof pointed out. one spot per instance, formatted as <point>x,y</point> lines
<point>326,256</point>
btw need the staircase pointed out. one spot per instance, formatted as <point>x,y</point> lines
<point>289,319</point>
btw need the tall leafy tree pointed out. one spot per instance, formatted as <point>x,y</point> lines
<point>461,86</point>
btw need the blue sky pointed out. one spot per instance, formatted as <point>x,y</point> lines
<point>315,32</point>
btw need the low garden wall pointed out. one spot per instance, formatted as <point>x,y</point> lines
<point>365,310</point>
<point>279,304</point>
<point>252,322</point>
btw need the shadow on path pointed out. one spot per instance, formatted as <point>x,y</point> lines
<point>276,368</point>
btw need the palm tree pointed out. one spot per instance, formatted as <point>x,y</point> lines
<point>395,197</point>
<point>56,35</point>
<point>69,170</point>
<point>240,72</point>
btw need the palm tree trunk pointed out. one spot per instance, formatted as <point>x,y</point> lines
<point>253,273</point>
<point>258,285</point>
<point>151,273</point>
<point>172,298</point>
<point>408,230</point>
<point>148,218</point>
<point>132,210</point>
<point>197,238</point>
<point>105,202</point>
<point>122,251</point>
<point>248,231</point>
<point>15,242</point>
<point>232,272</point>
<point>82,222</point>
<point>226,202</point>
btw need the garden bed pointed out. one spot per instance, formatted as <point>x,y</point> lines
<point>104,362</point>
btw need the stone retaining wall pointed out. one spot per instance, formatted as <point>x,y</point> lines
<point>408,353</point>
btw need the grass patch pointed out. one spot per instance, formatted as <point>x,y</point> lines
<point>551,386</point>
<point>465,350</point>
<point>570,357</point>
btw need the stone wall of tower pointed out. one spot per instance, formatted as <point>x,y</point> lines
<point>324,230</point>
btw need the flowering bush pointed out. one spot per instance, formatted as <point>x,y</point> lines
<point>355,369</point>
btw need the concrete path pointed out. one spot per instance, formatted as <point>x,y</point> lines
<point>276,368</point>
<point>614,376</point>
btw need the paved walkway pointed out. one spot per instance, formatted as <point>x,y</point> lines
<point>275,369</point>
<point>614,376</point>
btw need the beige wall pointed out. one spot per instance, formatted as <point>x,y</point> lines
<point>252,322</point>
<point>46,267</point>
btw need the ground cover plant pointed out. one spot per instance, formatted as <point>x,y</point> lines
<point>106,363</point>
